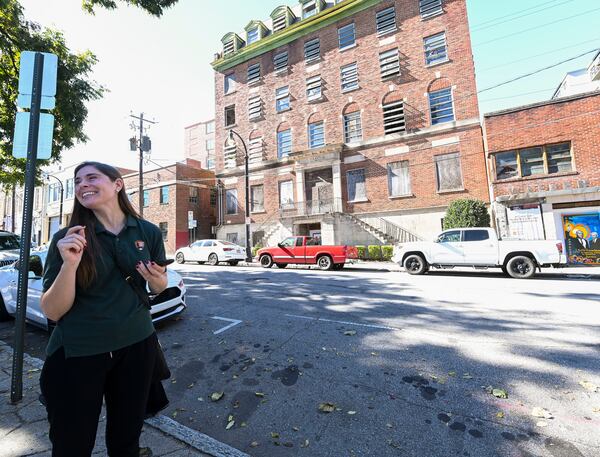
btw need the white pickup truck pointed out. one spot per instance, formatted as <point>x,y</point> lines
<point>479,248</point>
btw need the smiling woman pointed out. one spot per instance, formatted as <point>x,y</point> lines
<point>104,344</point>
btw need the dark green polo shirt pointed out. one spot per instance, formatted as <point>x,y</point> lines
<point>107,315</point>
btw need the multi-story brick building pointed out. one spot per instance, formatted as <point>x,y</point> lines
<point>199,143</point>
<point>545,171</point>
<point>360,118</point>
<point>170,193</point>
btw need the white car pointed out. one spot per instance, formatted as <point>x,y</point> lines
<point>211,252</point>
<point>479,248</point>
<point>168,303</point>
<point>9,248</point>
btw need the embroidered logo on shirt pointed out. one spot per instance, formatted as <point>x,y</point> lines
<point>139,244</point>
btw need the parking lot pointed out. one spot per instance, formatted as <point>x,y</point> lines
<point>366,362</point>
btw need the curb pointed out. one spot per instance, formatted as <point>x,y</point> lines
<point>166,425</point>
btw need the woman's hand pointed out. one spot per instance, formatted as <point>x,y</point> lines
<point>154,274</point>
<point>72,245</point>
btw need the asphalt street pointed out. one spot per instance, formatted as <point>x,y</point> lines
<point>402,365</point>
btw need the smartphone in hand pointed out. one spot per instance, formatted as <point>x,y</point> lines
<point>164,263</point>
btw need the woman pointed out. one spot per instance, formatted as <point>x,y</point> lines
<point>104,344</point>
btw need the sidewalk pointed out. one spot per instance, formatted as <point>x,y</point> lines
<point>24,429</point>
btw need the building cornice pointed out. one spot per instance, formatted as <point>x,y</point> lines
<point>323,19</point>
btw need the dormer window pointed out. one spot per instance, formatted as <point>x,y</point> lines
<point>232,42</point>
<point>311,7</point>
<point>282,18</point>
<point>255,30</point>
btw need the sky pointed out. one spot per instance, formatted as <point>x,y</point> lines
<point>161,67</point>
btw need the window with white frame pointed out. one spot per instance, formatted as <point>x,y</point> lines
<point>312,50</point>
<point>539,160</point>
<point>357,190</point>
<point>386,20</point>
<point>229,83</point>
<point>349,77</point>
<point>316,134</point>
<point>448,172</point>
<point>393,117</point>
<point>232,237</point>
<point>436,49</point>
<point>284,143</point>
<point>313,88</point>
<point>286,195</point>
<point>210,127</point>
<point>254,73</point>
<point>389,63</point>
<point>231,201</point>
<point>53,192</point>
<point>346,36</point>
<point>254,107</point>
<point>229,115</point>
<point>252,35</point>
<point>352,127</point>
<point>398,179</point>
<point>309,9</point>
<point>429,8</point>
<point>70,189</point>
<point>257,198</point>
<point>164,195</point>
<point>441,106</point>
<point>280,61</point>
<point>282,99</point>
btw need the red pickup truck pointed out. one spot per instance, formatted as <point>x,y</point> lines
<point>308,251</point>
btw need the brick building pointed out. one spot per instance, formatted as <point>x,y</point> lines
<point>170,193</point>
<point>360,118</point>
<point>545,170</point>
<point>199,143</point>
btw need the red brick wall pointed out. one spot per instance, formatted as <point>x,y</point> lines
<point>574,119</point>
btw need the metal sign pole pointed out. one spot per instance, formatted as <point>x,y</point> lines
<point>16,391</point>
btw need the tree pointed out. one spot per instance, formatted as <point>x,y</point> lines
<point>154,7</point>
<point>466,213</point>
<point>74,87</point>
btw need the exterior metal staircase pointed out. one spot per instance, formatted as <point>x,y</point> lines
<point>385,231</point>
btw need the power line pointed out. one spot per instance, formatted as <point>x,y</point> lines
<point>512,14</point>
<point>517,95</point>
<point>519,17</point>
<point>535,28</point>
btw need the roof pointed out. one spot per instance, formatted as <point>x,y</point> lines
<point>570,98</point>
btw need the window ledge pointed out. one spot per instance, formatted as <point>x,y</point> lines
<point>350,90</point>
<point>258,212</point>
<point>534,177</point>
<point>389,32</point>
<point>316,100</point>
<point>231,126</point>
<point>429,16</point>
<point>281,72</point>
<point>397,197</point>
<point>313,61</point>
<point>450,191</point>
<point>364,200</point>
<point>346,48</point>
<point>231,92</point>
<point>435,64</point>
<point>257,82</point>
<point>284,110</point>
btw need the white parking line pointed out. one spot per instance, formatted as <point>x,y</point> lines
<point>234,322</point>
<point>344,322</point>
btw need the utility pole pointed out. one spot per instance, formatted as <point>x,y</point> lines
<point>143,145</point>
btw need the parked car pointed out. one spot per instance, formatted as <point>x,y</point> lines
<point>9,248</point>
<point>168,303</point>
<point>306,250</point>
<point>211,252</point>
<point>479,248</point>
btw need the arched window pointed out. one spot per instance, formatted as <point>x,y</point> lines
<point>316,131</point>
<point>284,140</point>
<point>394,120</point>
<point>441,103</point>
<point>352,123</point>
<point>255,147</point>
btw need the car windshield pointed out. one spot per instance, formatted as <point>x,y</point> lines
<point>8,242</point>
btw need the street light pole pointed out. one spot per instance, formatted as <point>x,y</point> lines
<point>231,139</point>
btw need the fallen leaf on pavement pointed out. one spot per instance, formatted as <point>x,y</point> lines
<point>500,415</point>
<point>274,435</point>
<point>216,396</point>
<point>452,373</point>
<point>352,413</point>
<point>596,410</point>
<point>254,444</point>
<point>541,412</point>
<point>498,393</point>
<point>327,407</point>
<point>542,424</point>
<point>589,386</point>
<point>259,394</point>
<point>305,444</point>
<point>350,332</point>
<point>467,376</point>
<point>229,425</point>
<point>295,428</point>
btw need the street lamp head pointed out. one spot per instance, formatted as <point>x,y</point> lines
<point>230,140</point>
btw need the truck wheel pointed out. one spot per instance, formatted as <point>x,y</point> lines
<point>281,265</point>
<point>266,261</point>
<point>4,316</point>
<point>325,262</point>
<point>415,264</point>
<point>521,267</point>
<point>179,258</point>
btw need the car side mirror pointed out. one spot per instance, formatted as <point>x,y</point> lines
<point>280,245</point>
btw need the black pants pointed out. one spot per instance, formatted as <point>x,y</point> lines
<point>74,388</point>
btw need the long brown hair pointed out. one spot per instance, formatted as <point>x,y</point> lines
<point>86,272</point>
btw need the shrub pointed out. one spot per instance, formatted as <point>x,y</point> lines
<point>387,251</point>
<point>255,249</point>
<point>374,252</point>
<point>466,213</point>
<point>362,252</point>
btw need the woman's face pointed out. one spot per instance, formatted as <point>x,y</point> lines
<point>94,189</point>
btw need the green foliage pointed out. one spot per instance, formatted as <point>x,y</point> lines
<point>374,252</point>
<point>466,213</point>
<point>387,251</point>
<point>255,249</point>
<point>74,88</point>
<point>154,7</point>
<point>362,252</point>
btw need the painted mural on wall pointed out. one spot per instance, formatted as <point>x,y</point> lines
<point>582,238</point>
